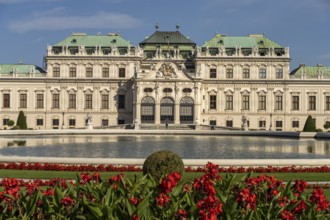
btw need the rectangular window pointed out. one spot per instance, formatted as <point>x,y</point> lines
<point>229,73</point>
<point>89,72</point>
<point>40,122</point>
<point>88,101</point>
<point>312,103</point>
<point>295,102</point>
<point>327,103</point>
<point>213,122</point>
<point>262,73</point>
<point>105,72</point>
<point>278,124</point>
<point>56,122</point>
<point>213,73</point>
<point>56,100</point>
<point>23,100</point>
<point>229,102</point>
<point>73,72</point>
<point>121,101</point>
<point>5,121</point>
<point>262,124</point>
<point>262,102</point>
<point>279,73</point>
<point>122,72</point>
<point>278,102</point>
<point>72,101</point>
<point>6,100</point>
<point>245,102</point>
<point>105,101</point>
<point>246,73</point>
<point>295,124</point>
<point>72,122</point>
<point>105,122</point>
<point>213,102</point>
<point>40,100</point>
<point>56,71</point>
<point>229,123</point>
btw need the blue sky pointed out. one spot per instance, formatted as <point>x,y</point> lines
<point>27,26</point>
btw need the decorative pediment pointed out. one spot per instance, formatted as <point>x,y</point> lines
<point>72,91</point>
<point>278,92</point>
<point>167,71</point>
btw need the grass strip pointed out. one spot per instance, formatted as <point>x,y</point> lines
<point>41,174</point>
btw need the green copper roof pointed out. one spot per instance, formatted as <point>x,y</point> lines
<point>7,69</point>
<point>167,37</point>
<point>81,39</point>
<point>311,71</point>
<point>250,41</point>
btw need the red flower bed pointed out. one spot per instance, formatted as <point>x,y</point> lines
<point>113,168</point>
<point>208,197</point>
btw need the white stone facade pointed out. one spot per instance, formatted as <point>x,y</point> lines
<point>119,89</point>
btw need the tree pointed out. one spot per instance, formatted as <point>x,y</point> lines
<point>10,123</point>
<point>326,125</point>
<point>21,121</point>
<point>310,125</point>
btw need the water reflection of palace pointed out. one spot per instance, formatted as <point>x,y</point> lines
<point>141,146</point>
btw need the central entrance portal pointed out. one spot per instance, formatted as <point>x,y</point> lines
<point>167,110</point>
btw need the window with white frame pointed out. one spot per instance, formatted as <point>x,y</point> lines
<point>279,73</point>
<point>262,73</point>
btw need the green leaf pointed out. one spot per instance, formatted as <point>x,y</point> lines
<point>32,204</point>
<point>96,211</point>
<point>143,205</point>
<point>58,196</point>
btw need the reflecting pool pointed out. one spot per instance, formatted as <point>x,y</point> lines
<point>188,147</point>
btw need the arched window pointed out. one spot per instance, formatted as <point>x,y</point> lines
<point>147,110</point>
<point>167,110</point>
<point>186,110</point>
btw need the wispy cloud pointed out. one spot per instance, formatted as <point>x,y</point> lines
<point>24,1</point>
<point>325,56</point>
<point>44,21</point>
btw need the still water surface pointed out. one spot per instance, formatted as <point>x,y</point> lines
<point>188,147</point>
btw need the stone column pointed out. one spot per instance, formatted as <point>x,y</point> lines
<point>137,108</point>
<point>157,105</point>
<point>176,107</point>
<point>197,105</point>
<point>237,100</point>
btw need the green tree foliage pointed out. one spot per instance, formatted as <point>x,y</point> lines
<point>326,125</point>
<point>161,163</point>
<point>21,121</point>
<point>10,123</point>
<point>310,125</point>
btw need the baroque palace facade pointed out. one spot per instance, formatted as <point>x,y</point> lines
<point>235,82</point>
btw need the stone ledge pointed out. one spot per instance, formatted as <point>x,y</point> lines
<point>187,162</point>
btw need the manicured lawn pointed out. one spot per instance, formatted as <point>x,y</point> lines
<point>34,174</point>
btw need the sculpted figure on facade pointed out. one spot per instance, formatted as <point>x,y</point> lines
<point>198,49</point>
<point>255,51</point>
<point>221,50</point>
<point>114,50</point>
<point>182,67</point>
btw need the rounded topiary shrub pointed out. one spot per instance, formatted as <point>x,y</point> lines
<point>161,163</point>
